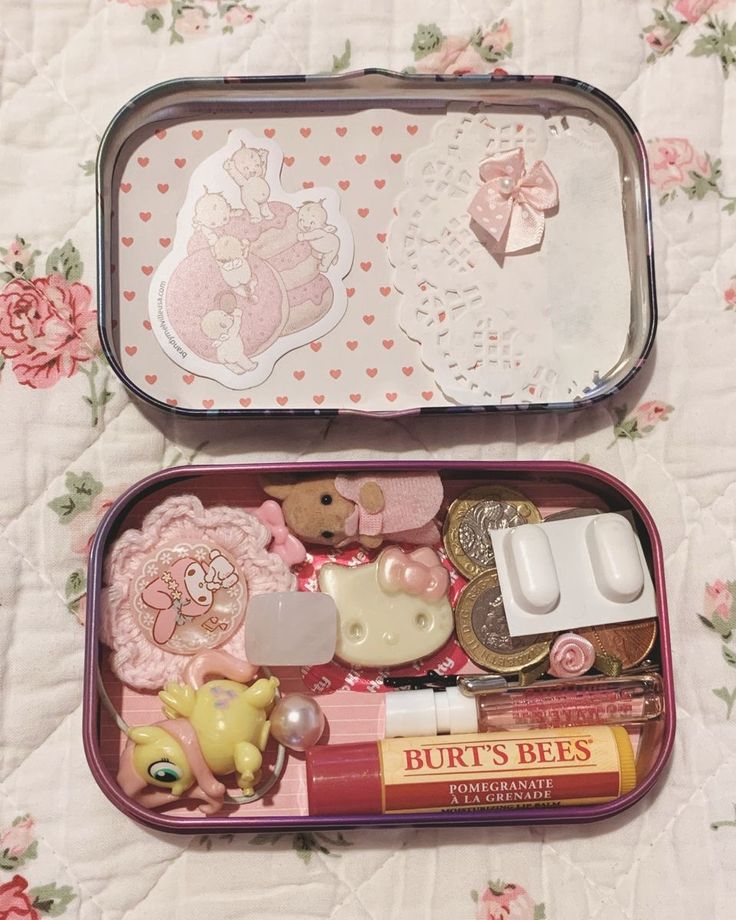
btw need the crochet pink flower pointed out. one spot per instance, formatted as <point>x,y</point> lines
<point>47,328</point>
<point>237,533</point>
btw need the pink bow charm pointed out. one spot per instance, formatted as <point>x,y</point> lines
<point>419,573</point>
<point>510,205</point>
<point>283,542</point>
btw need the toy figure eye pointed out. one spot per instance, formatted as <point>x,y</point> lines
<point>190,573</point>
<point>326,499</point>
<point>328,534</point>
<point>163,771</point>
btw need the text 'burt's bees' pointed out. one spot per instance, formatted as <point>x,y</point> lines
<point>499,753</point>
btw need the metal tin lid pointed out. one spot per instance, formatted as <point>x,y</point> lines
<point>238,260</point>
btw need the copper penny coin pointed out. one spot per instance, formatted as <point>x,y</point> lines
<point>629,642</point>
<point>482,630</point>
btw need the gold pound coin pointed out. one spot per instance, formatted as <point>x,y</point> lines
<point>482,631</point>
<point>471,518</point>
<point>630,642</point>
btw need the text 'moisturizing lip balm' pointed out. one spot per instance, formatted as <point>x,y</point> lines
<point>574,766</point>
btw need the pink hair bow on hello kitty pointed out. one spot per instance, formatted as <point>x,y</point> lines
<point>419,573</point>
<point>510,205</point>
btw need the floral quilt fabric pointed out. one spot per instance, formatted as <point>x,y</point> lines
<point>73,440</point>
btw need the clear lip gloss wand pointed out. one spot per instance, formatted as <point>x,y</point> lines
<point>488,703</point>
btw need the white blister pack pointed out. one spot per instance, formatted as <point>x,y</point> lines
<point>568,574</point>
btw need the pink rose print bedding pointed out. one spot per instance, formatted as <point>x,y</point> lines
<point>48,322</point>
<point>19,900</point>
<point>505,901</point>
<point>481,51</point>
<point>254,271</point>
<point>245,289</point>
<point>706,28</point>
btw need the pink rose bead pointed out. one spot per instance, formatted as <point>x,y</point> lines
<point>571,656</point>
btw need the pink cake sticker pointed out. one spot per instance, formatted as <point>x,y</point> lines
<point>188,598</point>
<point>254,271</point>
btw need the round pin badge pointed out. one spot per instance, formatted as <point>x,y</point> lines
<point>189,597</point>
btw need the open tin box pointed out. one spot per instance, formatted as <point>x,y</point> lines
<point>353,701</point>
<point>373,242</point>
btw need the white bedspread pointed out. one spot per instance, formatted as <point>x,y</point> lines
<point>72,440</point>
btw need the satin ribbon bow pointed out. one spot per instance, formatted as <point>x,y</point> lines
<point>419,573</point>
<point>510,204</point>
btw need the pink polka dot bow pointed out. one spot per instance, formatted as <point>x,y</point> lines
<point>510,205</point>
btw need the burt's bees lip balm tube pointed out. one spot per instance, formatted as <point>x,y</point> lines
<point>511,769</point>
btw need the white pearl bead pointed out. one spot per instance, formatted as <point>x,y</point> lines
<point>297,721</point>
<point>506,184</point>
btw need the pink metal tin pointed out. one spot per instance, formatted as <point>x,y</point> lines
<point>551,485</point>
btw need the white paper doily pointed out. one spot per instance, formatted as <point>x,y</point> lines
<point>547,337</point>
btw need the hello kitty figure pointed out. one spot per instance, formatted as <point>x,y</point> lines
<point>247,167</point>
<point>184,590</point>
<point>224,329</point>
<point>211,212</point>
<point>313,227</point>
<point>231,255</point>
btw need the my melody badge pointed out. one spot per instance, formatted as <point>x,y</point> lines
<point>189,598</point>
<point>254,270</point>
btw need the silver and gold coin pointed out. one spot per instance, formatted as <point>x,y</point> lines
<point>482,631</point>
<point>471,518</point>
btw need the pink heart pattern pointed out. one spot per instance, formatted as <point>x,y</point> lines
<point>374,325</point>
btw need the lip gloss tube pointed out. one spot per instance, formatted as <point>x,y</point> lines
<point>552,704</point>
<point>568,766</point>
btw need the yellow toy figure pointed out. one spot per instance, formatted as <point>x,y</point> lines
<point>212,730</point>
<point>230,722</point>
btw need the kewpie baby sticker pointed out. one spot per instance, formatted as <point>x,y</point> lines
<point>254,271</point>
